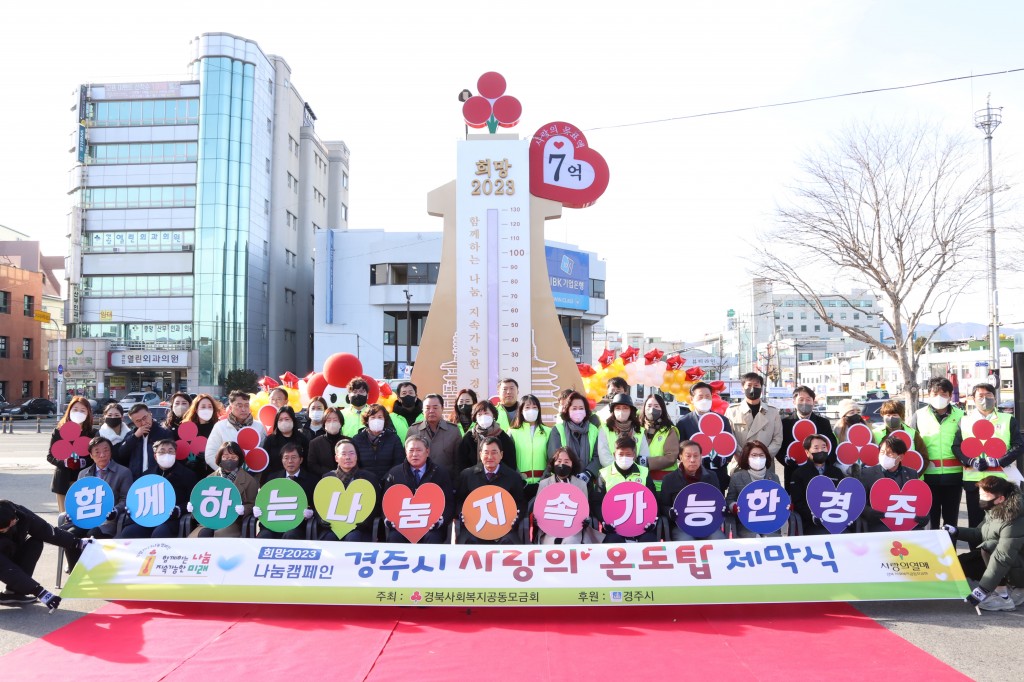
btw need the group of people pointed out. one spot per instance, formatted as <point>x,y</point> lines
<point>509,445</point>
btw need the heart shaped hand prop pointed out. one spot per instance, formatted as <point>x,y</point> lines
<point>913,458</point>
<point>837,506</point>
<point>858,446</point>
<point>713,438</point>
<point>801,429</point>
<point>344,508</point>
<point>413,515</point>
<point>981,443</point>
<point>563,168</point>
<point>901,506</point>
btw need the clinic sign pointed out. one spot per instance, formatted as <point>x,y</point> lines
<point>569,272</point>
<point>122,358</point>
<point>759,570</point>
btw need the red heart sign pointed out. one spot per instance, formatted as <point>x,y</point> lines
<point>712,437</point>
<point>563,168</point>
<point>801,429</point>
<point>256,460</point>
<point>858,446</point>
<point>901,506</point>
<point>981,442</point>
<point>72,442</point>
<point>912,458</point>
<point>189,440</point>
<point>413,515</point>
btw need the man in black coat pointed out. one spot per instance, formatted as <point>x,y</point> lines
<point>490,471</point>
<point>22,535</point>
<point>182,480</point>
<point>804,400</point>
<point>136,451</point>
<point>416,470</point>
<point>689,471</point>
<point>817,464</point>
<point>291,460</point>
<point>701,394</point>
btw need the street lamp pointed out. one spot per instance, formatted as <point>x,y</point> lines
<point>408,329</point>
<point>987,120</point>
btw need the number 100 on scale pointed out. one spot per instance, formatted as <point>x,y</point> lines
<point>514,294</point>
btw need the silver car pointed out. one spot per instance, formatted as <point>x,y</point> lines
<point>147,397</point>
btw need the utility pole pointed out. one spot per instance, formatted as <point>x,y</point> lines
<point>987,120</point>
<point>408,329</point>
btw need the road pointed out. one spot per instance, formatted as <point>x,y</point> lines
<point>951,631</point>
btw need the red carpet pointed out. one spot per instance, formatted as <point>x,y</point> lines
<point>191,642</point>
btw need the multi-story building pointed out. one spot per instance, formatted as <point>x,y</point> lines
<point>195,205</point>
<point>22,354</point>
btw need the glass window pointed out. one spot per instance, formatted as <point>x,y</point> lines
<point>3,347</point>
<point>29,307</point>
<point>5,302</point>
<point>597,288</point>
<point>26,349</point>
<point>379,274</point>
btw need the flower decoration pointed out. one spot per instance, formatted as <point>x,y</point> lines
<point>492,107</point>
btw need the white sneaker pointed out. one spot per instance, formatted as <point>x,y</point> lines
<point>1017,595</point>
<point>994,602</point>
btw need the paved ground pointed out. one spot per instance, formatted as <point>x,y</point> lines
<point>985,648</point>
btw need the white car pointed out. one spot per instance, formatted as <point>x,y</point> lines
<point>146,397</point>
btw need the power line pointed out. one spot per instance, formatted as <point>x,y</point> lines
<point>805,101</point>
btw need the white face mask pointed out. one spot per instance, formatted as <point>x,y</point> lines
<point>284,426</point>
<point>622,415</point>
<point>179,410</point>
<point>703,405</point>
<point>530,414</point>
<point>165,461</point>
<point>485,421</point>
<point>316,415</point>
<point>577,416</point>
<point>939,402</point>
<point>206,413</point>
<point>757,463</point>
<point>332,428</point>
<point>376,425</point>
<point>886,461</point>
<point>623,463</point>
<point>78,416</point>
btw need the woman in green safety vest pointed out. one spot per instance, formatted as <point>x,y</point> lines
<point>577,433</point>
<point>462,410</point>
<point>658,439</point>
<point>621,422</point>
<point>531,439</point>
<point>893,416</point>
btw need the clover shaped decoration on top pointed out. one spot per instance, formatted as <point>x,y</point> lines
<point>190,444</point>
<point>801,429</point>
<point>492,107</point>
<point>858,446</point>
<point>982,442</point>
<point>712,437</point>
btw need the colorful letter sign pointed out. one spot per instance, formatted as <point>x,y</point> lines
<point>563,168</point>
<point>901,506</point>
<point>150,500</point>
<point>282,502</point>
<point>764,507</point>
<point>88,501</point>
<point>630,507</point>
<point>699,508</point>
<point>414,515</point>
<point>560,509</point>
<point>213,502</point>
<point>838,506</point>
<point>489,512</point>
<point>344,508</point>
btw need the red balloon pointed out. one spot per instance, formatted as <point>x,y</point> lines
<point>267,415</point>
<point>374,393</point>
<point>315,385</point>
<point>340,368</point>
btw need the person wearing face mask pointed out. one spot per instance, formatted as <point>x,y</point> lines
<point>377,444</point>
<point>564,467</point>
<point>416,469</point>
<point>977,468</point>
<point>113,427</point>
<point>580,435</point>
<point>229,461</point>
<point>358,392</point>
<point>938,424</point>
<point>850,413</point>
<point>226,430</point>
<point>205,411</point>
<point>314,426</point>
<point>485,418</point>
<point>614,387</point>
<point>621,422</point>
<point>321,458</point>
<point>752,464</point>
<point>689,471</point>
<point>624,468</point>
<point>658,440</point>
<point>804,400</point>
<point>490,470</point>
<point>407,410</point>
<point>444,437</point>
<point>285,431</point>
<point>508,403</point>
<point>998,541</point>
<point>817,449</point>
<point>892,414</point>
<point>78,411</point>
<point>462,410</point>
<point>182,480</point>
<point>890,465</point>
<point>531,440</point>
<point>689,424</point>
<point>753,419</point>
<point>136,451</point>
<point>179,404</point>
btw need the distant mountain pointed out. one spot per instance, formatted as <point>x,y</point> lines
<point>959,331</point>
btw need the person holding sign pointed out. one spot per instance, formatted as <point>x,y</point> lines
<point>890,465</point>
<point>291,469</point>
<point>22,535</point>
<point>226,430</point>
<point>998,557</point>
<point>348,470</point>
<point>622,422</point>
<point>577,433</point>
<point>229,460</point>
<point>563,466</point>
<point>816,447</point>
<point>416,471</point>
<point>701,395</point>
<point>204,412</point>
<point>407,410</point>
<point>986,444</point>
<point>531,440</point>
<point>78,413</point>
<point>490,471</point>
<point>938,422</point>
<point>286,432</point>
<point>485,416</point>
<point>689,471</point>
<point>321,458</point>
<point>658,440</point>
<point>892,414</point>
<point>751,465</point>
<point>180,403</point>
<point>754,420</point>
<point>804,400</point>
<point>182,480</point>
<point>116,476</point>
<point>625,468</point>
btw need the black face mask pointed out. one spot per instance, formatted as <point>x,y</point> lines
<point>563,470</point>
<point>819,457</point>
<point>985,505</point>
<point>752,392</point>
<point>357,400</point>
<point>112,422</point>
<point>408,401</point>
<point>465,410</point>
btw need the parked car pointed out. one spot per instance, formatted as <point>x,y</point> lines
<point>148,397</point>
<point>870,408</point>
<point>1006,406</point>
<point>159,413</point>
<point>31,407</point>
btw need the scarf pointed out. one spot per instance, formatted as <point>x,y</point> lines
<point>578,436</point>
<point>239,424</point>
<point>411,414</point>
<point>112,435</point>
<point>758,475</point>
<point>230,475</point>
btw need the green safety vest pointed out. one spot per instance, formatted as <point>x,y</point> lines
<point>938,439</point>
<point>591,435</point>
<point>612,435</point>
<point>656,448</point>
<point>503,421</point>
<point>612,476</point>
<point>402,424</point>
<point>353,420</point>
<point>531,451</point>
<point>1001,421</point>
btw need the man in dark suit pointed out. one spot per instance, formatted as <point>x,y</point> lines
<point>182,480</point>
<point>489,471</point>
<point>804,400</point>
<point>443,435</point>
<point>291,458</point>
<point>818,464</point>
<point>136,451</point>
<point>689,424</point>
<point>416,470</point>
<point>113,474</point>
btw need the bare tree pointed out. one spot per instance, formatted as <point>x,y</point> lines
<point>899,211</point>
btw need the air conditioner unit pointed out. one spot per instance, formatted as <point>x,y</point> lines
<point>186,247</point>
<point>118,249</point>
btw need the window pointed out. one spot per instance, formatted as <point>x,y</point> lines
<point>290,258</point>
<point>140,197</point>
<point>289,297</point>
<point>803,316</point>
<point>268,165</point>
<point>789,316</point>
<point>138,285</point>
<point>3,389</point>
<point>26,349</point>
<point>266,207</point>
<point>117,242</point>
<point>803,327</point>
<point>266,290</point>
<point>264,330</point>
<point>30,306</point>
<point>3,348</point>
<point>842,316</point>
<point>270,126</point>
<point>817,327</point>
<point>344,180</point>
<point>344,212</point>
<point>146,112</point>
<point>831,328</point>
<point>270,86</point>
<point>856,316</point>
<point>266,248</point>
<point>5,302</point>
<point>289,336</point>
<point>597,288</point>
<point>26,389</point>
<point>789,328</point>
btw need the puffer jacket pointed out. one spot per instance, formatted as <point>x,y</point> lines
<point>1001,534</point>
